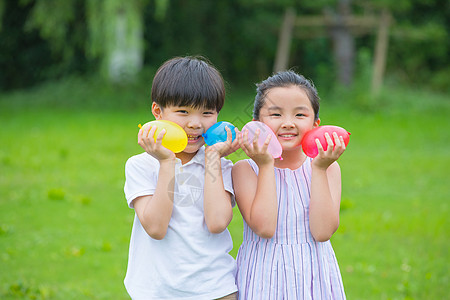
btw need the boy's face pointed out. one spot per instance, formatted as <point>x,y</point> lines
<point>194,121</point>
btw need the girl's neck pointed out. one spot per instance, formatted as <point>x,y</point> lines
<point>292,159</point>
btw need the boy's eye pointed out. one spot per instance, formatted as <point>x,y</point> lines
<point>208,113</point>
<point>182,111</point>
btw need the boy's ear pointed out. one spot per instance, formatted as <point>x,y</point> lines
<point>316,123</point>
<point>156,111</point>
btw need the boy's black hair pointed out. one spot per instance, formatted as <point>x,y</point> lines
<point>285,79</point>
<point>188,81</point>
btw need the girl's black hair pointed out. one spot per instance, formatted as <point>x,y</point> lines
<point>188,81</point>
<point>285,79</point>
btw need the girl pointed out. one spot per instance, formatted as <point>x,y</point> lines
<point>291,205</point>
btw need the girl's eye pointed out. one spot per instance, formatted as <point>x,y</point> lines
<point>300,115</point>
<point>275,115</point>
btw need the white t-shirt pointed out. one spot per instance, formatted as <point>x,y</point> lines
<point>189,262</point>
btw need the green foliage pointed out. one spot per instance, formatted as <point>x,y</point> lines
<point>47,39</point>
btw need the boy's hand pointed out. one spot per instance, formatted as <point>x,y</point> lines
<point>258,153</point>
<point>227,147</point>
<point>334,150</point>
<point>152,146</point>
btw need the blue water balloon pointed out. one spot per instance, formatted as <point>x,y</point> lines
<point>217,133</point>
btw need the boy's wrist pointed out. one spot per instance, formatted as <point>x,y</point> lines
<point>212,154</point>
<point>168,161</point>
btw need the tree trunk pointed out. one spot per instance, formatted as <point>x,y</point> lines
<point>284,42</point>
<point>343,44</point>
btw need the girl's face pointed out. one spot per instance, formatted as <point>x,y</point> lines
<point>194,121</point>
<point>289,113</point>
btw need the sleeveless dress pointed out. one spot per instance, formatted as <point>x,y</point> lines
<point>290,265</point>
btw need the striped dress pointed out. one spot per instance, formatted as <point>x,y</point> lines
<point>290,265</point>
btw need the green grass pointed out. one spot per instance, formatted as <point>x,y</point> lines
<point>65,225</point>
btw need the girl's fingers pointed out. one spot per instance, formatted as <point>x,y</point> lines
<point>266,143</point>
<point>329,142</point>
<point>243,140</point>
<point>337,140</point>
<point>256,138</point>
<point>341,139</point>
<point>319,145</point>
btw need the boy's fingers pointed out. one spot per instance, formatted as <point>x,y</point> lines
<point>160,136</point>
<point>150,131</point>
<point>229,134</point>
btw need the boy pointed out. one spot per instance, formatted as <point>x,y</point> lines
<point>183,202</point>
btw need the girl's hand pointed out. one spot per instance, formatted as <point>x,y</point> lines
<point>152,146</point>
<point>227,147</point>
<point>258,153</point>
<point>334,150</point>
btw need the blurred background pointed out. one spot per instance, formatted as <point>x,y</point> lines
<point>330,41</point>
<point>75,79</point>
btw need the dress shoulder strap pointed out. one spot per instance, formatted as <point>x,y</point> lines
<point>253,165</point>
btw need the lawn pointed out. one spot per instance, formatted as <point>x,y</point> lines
<point>65,225</point>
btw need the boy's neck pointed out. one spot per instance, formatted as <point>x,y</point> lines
<point>185,157</point>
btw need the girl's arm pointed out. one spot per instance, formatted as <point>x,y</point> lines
<point>256,195</point>
<point>154,211</point>
<point>326,190</point>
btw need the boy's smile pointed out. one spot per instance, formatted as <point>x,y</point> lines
<point>195,121</point>
<point>193,138</point>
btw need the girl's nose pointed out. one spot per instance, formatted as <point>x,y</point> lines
<point>288,124</point>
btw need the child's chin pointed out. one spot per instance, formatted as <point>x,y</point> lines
<point>192,148</point>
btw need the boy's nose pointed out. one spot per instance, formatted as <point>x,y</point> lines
<point>194,123</point>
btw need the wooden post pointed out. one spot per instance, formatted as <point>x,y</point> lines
<point>381,47</point>
<point>284,42</point>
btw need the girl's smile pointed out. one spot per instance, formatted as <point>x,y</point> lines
<point>287,136</point>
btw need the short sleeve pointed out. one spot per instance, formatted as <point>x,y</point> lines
<point>227,165</point>
<point>141,175</point>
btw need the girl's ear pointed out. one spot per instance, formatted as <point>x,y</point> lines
<point>316,123</point>
<point>156,111</point>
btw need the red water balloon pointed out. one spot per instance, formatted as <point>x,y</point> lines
<point>309,145</point>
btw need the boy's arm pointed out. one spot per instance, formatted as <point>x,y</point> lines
<point>326,190</point>
<point>154,211</point>
<point>217,201</point>
<point>256,197</point>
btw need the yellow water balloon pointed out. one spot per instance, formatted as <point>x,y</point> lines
<point>175,138</point>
